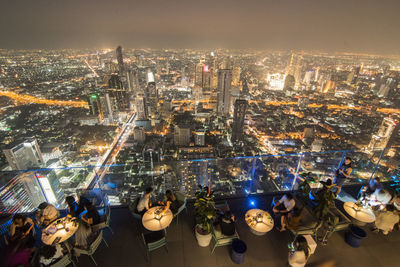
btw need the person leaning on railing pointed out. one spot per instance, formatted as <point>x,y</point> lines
<point>342,174</point>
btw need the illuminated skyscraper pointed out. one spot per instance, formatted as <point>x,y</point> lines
<point>224,92</point>
<point>236,76</point>
<point>294,68</point>
<point>94,104</point>
<point>238,119</point>
<point>206,78</point>
<point>141,107</point>
<point>151,93</point>
<point>120,59</point>
<point>380,140</point>
<point>182,135</point>
<point>198,75</point>
<point>24,155</point>
<point>387,87</point>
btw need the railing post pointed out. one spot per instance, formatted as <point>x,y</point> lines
<point>342,160</point>
<point>377,164</point>
<point>297,171</point>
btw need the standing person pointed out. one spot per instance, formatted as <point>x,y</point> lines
<point>144,202</point>
<point>92,216</point>
<point>21,230</point>
<point>283,208</point>
<point>342,174</point>
<point>299,252</point>
<point>46,213</point>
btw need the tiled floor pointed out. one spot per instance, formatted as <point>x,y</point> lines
<point>269,250</point>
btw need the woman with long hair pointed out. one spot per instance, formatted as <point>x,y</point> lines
<point>299,252</point>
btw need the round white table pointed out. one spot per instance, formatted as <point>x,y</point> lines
<point>259,221</point>
<point>59,231</point>
<point>359,213</point>
<point>157,218</point>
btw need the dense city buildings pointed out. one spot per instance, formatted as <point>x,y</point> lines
<point>240,121</point>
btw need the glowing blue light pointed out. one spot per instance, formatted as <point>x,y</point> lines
<point>252,202</point>
<point>246,191</point>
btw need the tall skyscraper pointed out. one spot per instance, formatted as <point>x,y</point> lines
<point>198,75</point>
<point>236,76</point>
<point>182,135</point>
<point>294,68</point>
<point>24,155</point>
<point>152,93</point>
<point>387,87</point>
<point>206,78</point>
<point>108,107</point>
<point>224,92</point>
<point>120,60</point>
<point>199,138</point>
<point>141,107</point>
<point>380,140</point>
<point>238,119</point>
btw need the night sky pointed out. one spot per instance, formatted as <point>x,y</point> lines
<point>334,25</point>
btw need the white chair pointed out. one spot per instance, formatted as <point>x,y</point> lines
<point>92,248</point>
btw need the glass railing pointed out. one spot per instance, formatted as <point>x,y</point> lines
<point>124,181</point>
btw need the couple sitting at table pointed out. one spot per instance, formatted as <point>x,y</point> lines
<point>145,203</point>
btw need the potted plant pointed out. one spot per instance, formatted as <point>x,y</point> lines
<point>205,213</point>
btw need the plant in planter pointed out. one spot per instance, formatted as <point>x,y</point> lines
<point>304,188</point>
<point>205,214</point>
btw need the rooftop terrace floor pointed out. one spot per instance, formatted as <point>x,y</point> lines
<point>268,250</point>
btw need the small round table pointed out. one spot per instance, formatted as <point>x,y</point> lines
<point>157,218</point>
<point>59,231</point>
<point>259,221</point>
<point>360,214</point>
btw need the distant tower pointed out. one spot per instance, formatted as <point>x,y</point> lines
<point>236,76</point>
<point>182,135</point>
<point>198,76</point>
<point>120,59</point>
<point>387,88</point>
<point>94,104</point>
<point>238,119</point>
<point>224,92</point>
<point>151,93</point>
<point>206,78</point>
<point>24,155</point>
<point>141,107</point>
<point>389,128</point>
<point>294,68</point>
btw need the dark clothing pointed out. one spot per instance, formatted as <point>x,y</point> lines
<point>227,227</point>
<point>341,178</point>
<point>174,206</point>
<point>27,241</point>
<point>74,210</point>
<point>94,214</point>
<point>281,207</point>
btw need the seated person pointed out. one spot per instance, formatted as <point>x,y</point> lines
<point>16,254</point>
<point>81,205</point>
<point>73,207</point>
<point>83,236</point>
<point>326,186</point>
<point>380,197</point>
<point>170,202</point>
<point>50,254</point>
<point>144,202</point>
<point>372,186</point>
<point>299,253</point>
<point>386,220</point>
<point>46,214</point>
<point>92,216</point>
<point>21,230</point>
<point>396,204</point>
<point>227,224</point>
<point>293,221</point>
<point>283,208</point>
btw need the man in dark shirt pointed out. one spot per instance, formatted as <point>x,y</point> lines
<point>92,216</point>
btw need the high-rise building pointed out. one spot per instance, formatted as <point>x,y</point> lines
<point>141,107</point>
<point>152,94</point>
<point>309,133</point>
<point>109,108</point>
<point>20,193</point>
<point>308,77</point>
<point>198,75</point>
<point>206,78</point>
<point>289,82</point>
<point>294,68</point>
<point>236,76</point>
<point>380,140</point>
<point>139,134</point>
<point>24,155</point>
<point>120,59</point>
<point>199,138</point>
<point>224,92</point>
<point>192,171</point>
<point>94,104</point>
<point>238,119</point>
<point>387,87</point>
<point>182,135</point>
